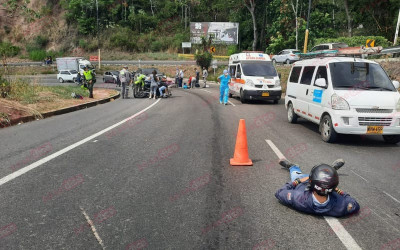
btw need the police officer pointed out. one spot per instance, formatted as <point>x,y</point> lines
<point>90,78</point>
<point>316,193</point>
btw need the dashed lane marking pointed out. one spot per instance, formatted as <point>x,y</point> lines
<point>334,223</point>
<point>65,150</point>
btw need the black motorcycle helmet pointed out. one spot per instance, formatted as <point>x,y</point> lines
<point>323,179</point>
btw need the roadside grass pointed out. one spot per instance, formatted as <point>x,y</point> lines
<point>27,93</point>
<point>285,71</point>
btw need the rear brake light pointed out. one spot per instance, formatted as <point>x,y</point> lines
<point>292,54</point>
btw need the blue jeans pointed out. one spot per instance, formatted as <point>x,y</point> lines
<point>153,89</point>
<point>224,91</point>
<point>161,90</point>
<point>295,172</point>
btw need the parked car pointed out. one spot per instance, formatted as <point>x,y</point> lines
<point>286,56</point>
<point>344,95</point>
<point>328,46</point>
<point>67,75</point>
<point>111,76</point>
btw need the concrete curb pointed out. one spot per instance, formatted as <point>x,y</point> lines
<point>25,119</point>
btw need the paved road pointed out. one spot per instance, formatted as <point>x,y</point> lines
<point>162,179</point>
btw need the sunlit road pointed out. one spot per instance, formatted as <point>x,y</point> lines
<point>92,179</point>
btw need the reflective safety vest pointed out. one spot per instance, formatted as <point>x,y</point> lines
<point>88,75</point>
<point>140,79</point>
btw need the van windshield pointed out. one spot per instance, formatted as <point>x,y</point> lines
<point>360,75</point>
<point>258,69</point>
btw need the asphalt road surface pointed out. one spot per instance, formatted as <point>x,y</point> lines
<point>155,174</point>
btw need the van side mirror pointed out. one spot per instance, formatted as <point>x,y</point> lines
<point>238,75</point>
<point>321,82</point>
<point>396,84</point>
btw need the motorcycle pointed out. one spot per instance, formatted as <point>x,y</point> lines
<point>142,90</point>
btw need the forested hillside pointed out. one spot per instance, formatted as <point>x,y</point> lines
<point>34,26</point>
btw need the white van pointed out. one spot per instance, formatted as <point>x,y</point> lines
<point>344,96</point>
<point>254,77</point>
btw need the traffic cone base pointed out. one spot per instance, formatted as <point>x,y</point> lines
<point>241,155</point>
<point>233,162</point>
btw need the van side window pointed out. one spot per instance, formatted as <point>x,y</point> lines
<point>321,73</point>
<point>239,70</point>
<point>232,70</point>
<point>307,75</point>
<point>294,76</point>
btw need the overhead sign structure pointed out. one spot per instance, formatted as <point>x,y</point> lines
<point>370,43</point>
<point>221,32</point>
<point>186,44</point>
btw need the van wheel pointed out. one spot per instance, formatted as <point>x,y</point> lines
<point>391,139</point>
<point>242,97</point>
<point>328,133</point>
<point>292,117</point>
<point>60,80</point>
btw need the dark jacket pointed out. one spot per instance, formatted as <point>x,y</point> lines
<point>301,199</point>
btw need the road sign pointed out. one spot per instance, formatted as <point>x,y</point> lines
<point>93,58</point>
<point>186,45</point>
<point>212,49</point>
<point>370,43</point>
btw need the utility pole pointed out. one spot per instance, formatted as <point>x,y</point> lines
<point>98,39</point>
<point>308,21</point>
<point>397,30</point>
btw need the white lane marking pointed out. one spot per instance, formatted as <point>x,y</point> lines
<point>334,223</point>
<point>341,232</point>
<point>232,103</point>
<point>359,176</point>
<point>95,140</point>
<point>206,90</point>
<point>90,222</point>
<point>275,149</point>
<point>63,151</point>
<point>391,197</point>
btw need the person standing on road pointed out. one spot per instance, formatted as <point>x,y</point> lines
<point>181,75</point>
<point>90,79</point>
<point>125,78</point>
<point>153,84</point>
<point>205,75</point>
<point>197,75</point>
<point>316,193</point>
<point>224,87</point>
<point>177,77</point>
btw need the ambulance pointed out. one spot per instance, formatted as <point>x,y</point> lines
<point>254,77</point>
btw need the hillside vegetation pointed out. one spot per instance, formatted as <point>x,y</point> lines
<point>37,28</point>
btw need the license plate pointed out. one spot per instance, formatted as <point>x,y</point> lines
<point>265,94</point>
<point>374,129</point>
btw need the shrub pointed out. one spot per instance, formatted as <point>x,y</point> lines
<point>8,50</point>
<point>156,46</point>
<point>41,42</point>
<point>123,38</point>
<point>232,49</point>
<point>203,59</point>
<point>37,55</point>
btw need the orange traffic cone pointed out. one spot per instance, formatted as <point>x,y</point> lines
<point>241,155</point>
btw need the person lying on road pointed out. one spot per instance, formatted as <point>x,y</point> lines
<point>316,193</point>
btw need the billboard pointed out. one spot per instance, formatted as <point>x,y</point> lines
<point>222,32</point>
